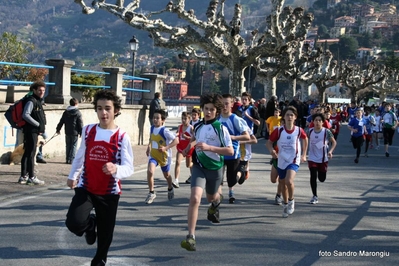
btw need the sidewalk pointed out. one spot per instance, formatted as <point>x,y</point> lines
<point>54,173</point>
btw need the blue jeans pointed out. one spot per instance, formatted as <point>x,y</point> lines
<point>39,155</point>
<point>71,142</point>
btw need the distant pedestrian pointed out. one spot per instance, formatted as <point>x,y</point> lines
<point>72,119</point>
<point>157,104</point>
<point>104,158</point>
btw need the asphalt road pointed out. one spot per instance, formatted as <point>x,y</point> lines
<point>355,222</point>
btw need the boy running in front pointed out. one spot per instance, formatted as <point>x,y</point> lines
<point>289,154</point>
<point>211,141</point>
<point>159,153</point>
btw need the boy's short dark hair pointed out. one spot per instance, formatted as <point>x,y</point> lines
<point>73,102</point>
<point>323,118</point>
<point>213,98</point>
<point>185,114</point>
<point>35,85</point>
<point>196,111</point>
<point>110,96</point>
<point>162,113</point>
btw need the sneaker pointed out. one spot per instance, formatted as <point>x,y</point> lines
<point>231,197</point>
<point>175,184</point>
<point>188,243</point>
<point>171,194</point>
<point>150,198</point>
<point>188,181</point>
<point>314,200</point>
<point>387,154</point>
<point>34,181</point>
<point>285,212</point>
<point>90,234</point>
<point>213,214</point>
<point>377,147</point>
<point>41,160</point>
<point>291,206</point>
<point>278,200</point>
<point>366,155</point>
<point>22,180</point>
<point>356,160</point>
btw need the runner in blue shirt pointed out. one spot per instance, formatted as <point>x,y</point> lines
<point>357,128</point>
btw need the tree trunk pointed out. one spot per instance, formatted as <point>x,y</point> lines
<point>383,96</point>
<point>269,87</point>
<point>236,82</point>
<point>322,94</point>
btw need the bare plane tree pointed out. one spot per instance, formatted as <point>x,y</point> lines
<point>214,38</point>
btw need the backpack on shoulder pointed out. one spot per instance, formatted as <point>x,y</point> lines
<point>14,114</point>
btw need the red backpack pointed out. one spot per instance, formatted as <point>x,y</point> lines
<point>14,114</point>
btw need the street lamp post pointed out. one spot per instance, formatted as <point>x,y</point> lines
<point>134,46</point>
<point>202,64</point>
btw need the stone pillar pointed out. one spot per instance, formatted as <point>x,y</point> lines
<point>115,80</point>
<point>60,93</point>
<point>155,84</point>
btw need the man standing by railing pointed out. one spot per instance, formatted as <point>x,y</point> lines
<point>35,119</point>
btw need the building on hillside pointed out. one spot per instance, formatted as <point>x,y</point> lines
<point>177,74</point>
<point>174,91</point>
<point>209,76</point>
<point>388,8</point>
<point>312,32</point>
<point>336,32</point>
<point>385,31</point>
<point>390,19</point>
<point>371,25</point>
<point>326,42</point>
<point>345,21</point>
<point>361,10</point>
<point>366,55</point>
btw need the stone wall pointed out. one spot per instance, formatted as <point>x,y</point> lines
<point>133,119</point>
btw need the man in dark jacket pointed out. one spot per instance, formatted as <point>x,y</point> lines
<point>72,118</point>
<point>156,104</point>
<point>35,118</point>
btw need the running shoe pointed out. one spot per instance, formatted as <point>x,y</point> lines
<point>22,180</point>
<point>188,181</point>
<point>387,154</point>
<point>171,194</point>
<point>232,199</point>
<point>278,200</point>
<point>285,212</point>
<point>291,206</point>
<point>175,184</point>
<point>150,198</point>
<point>314,200</point>
<point>188,243</point>
<point>34,181</point>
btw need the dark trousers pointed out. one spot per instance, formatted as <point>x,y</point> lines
<point>314,175</point>
<point>78,220</point>
<point>29,158</point>
<point>357,143</point>
<point>231,171</point>
<point>71,141</point>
